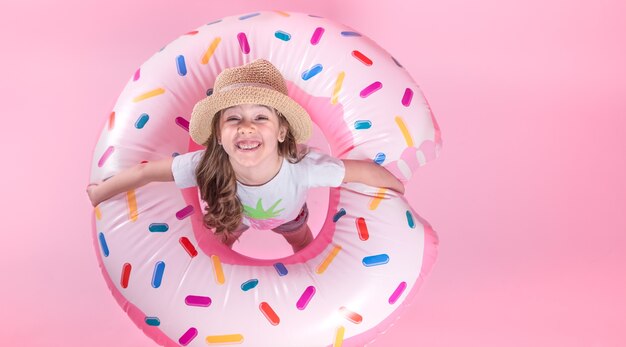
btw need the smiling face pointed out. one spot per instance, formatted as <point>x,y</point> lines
<point>250,135</point>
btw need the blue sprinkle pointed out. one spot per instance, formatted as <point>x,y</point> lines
<point>249,284</point>
<point>103,244</point>
<point>157,275</point>
<point>281,35</point>
<point>350,33</point>
<point>249,16</point>
<point>217,21</point>
<point>362,124</point>
<point>312,72</point>
<point>281,269</point>
<point>175,154</point>
<point>153,321</point>
<point>397,63</point>
<point>409,219</point>
<point>181,66</point>
<point>374,260</point>
<point>339,214</point>
<point>380,158</point>
<point>158,227</point>
<point>143,119</point>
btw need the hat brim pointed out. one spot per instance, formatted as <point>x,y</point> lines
<point>204,111</point>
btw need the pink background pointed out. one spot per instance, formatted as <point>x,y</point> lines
<point>528,196</point>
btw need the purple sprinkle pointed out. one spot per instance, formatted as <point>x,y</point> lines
<point>408,96</point>
<point>396,293</point>
<point>305,297</point>
<point>194,300</point>
<point>371,89</point>
<point>105,156</point>
<point>188,336</point>
<point>183,123</point>
<point>185,212</point>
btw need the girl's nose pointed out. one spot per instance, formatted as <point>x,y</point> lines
<point>246,127</point>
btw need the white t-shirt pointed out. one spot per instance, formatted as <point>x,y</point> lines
<point>279,200</point>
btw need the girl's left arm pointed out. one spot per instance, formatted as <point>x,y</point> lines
<point>372,174</point>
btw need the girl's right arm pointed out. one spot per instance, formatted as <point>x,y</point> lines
<point>131,178</point>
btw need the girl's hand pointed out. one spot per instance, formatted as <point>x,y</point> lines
<point>91,192</point>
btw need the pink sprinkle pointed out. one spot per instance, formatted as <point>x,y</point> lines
<point>408,96</point>
<point>105,156</point>
<point>188,336</point>
<point>317,35</point>
<point>305,297</point>
<point>184,212</point>
<point>182,122</point>
<point>396,293</point>
<point>137,74</point>
<point>243,43</point>
<point>194,300</point>
<point>370,89</point>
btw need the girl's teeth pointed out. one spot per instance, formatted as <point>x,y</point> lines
<point>242,146</point>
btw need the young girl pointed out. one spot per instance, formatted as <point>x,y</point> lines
<point>251,172</point>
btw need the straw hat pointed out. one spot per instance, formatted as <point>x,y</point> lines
<point>258,82</point>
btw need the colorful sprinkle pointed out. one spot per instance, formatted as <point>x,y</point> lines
<point>195,300</point>
<point>396,293</point>
<point>281,269</point>
<point>405,132</point>
<point>184,212</point>
<point>137,74</point>
<point>317,35</point>
<point>305,298</point>
<point>142,120</point>
<point>374,260</point>
<point>126,268</point>
<point>380,158</point>
<point>380,194</point>
<point>371,89</point>
<point>105,156</point>
<point>315,16</point>
<point>339,214</point>
<point>339,336</point>
<point>209,52</point>
<point>284,14</point>
<point>249,284</point>
<point>214,22</point>
<point>132,205</point>
<point>153,321</point>
<point>182,122</point>
<point>269,313</point>
<point>244,17</point>
<point>409,220</point>
<point>337,89</point>
<point>362,124</point>
<point>209,92</point>
<point>221,339</point>
<point>103,244</point>
<point>188,336</point>
<point>329,258</point>
<point>312,72</point>
<point>350,315</point>
<point>350,34</point>
<point>362,58</point>
<point>189,248</point>
<point>243,43</point>
<point>281,35</point>
<point>157,275</point>
<point>217,269</point>
<point>111,120</point>
<point>181,67</point>
<point>397,62</point>
<point>148,95</point>
<point>361,227</point>
<point>158,227</point>
<point>98,213</point>
<point>407,97</point>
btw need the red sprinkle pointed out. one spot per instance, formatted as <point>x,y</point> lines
<point>191,250</point>
<point>362,58</point>
<point>125,275</point>
<point>269,313</point>
<point>361,227</point>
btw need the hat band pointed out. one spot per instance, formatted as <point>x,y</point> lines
<point>241,85</point>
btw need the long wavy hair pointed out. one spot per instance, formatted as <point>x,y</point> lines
<point>218,184</point>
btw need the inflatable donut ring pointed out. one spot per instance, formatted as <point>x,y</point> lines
<point>178,283</point>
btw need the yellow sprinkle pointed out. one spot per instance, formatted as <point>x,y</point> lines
<point>405,131</point>
<point>219,273</point>
<point>285,14</point>
<point>339,336</point>
<point>149,94</point>
<point>329,258</point>
<point>209,52</point>
<point>132,205</point>
<point>380,194</point>
<point>338,84</point>
<point>233,338</point>
<point>98,213</point>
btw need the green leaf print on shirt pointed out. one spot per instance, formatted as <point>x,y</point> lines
<point>260,213</point>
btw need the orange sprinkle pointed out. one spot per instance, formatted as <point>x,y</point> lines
<point>217,267</point>
<point>339,336</point>
<point>282,13</point>
<point>351,316</point>
<point>329,258</point>
<point>380,194</point>
<point>209,52</point>
<point>111,120</point>
<point>232,338</point>
<point>98,213</point>
<point>405,131</point>
<point>132,205</point>
<point>338,84</point>
<point>148,95</point>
